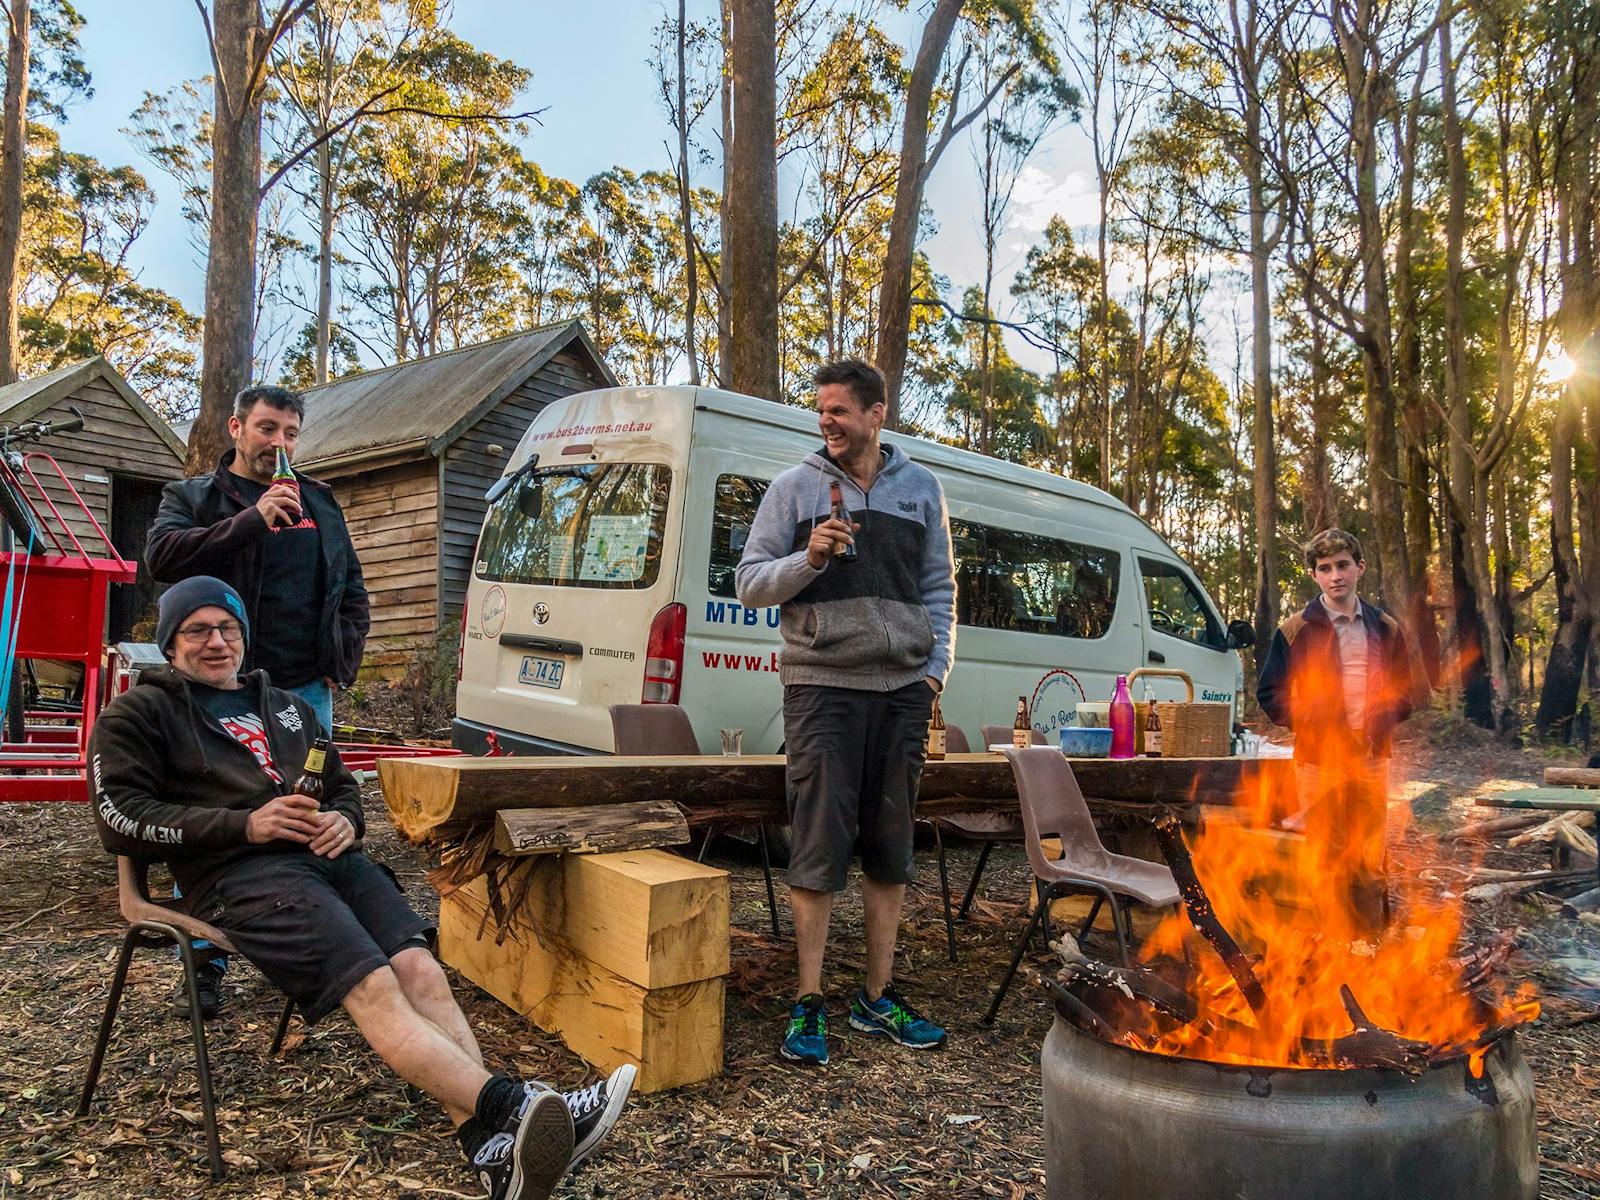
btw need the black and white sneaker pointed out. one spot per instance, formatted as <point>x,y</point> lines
<point>595,1109</point>
<point>527,1159</point>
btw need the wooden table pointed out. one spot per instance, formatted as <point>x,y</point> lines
<point>433,798</point>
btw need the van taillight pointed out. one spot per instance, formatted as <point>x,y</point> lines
<point>663,663</point>
<point>461,647</point>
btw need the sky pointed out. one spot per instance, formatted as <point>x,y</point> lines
<point>592,78</point>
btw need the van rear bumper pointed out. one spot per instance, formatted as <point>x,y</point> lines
<point>472,738</point>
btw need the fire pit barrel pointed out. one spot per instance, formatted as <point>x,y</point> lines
<point>1120,1123</point>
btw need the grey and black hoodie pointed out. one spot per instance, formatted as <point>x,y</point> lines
<point>879,623</point>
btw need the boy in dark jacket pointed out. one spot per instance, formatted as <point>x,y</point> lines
<point>1339,674</point>
<point>191,766</point>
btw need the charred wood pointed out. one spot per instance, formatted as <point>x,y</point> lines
<point>1202,916</point>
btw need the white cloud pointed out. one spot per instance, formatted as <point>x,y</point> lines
<point>1039,196</point>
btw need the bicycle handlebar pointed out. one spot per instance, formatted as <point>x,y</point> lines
<point>32,431</point>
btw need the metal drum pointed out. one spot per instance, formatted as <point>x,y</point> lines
<point>1121,1123</point>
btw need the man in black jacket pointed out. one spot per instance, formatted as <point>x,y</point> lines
<point>189,767</point>
<point>285,548</point>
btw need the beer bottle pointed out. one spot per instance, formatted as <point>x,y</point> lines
<point>312,778</point>
<point>844,551</point>
<point>1022,728</point>
<point>283,473</point>
<point>936,731</point>
<point>1152,725</point>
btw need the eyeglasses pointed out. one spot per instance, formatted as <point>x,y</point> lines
<point>199,635</point>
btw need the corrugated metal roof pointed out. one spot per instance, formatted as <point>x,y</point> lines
<point>430,399</point>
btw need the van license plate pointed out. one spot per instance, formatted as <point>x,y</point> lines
<point>541,672</point>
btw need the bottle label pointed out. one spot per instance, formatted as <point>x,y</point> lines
<point>935,742</point>
<point>1021,739</point>
<point>314,762</point>
<point>1152,742</point>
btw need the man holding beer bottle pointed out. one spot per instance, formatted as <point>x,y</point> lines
<point>189,767</point>
<point>281,541</point>
<point>854,544</point>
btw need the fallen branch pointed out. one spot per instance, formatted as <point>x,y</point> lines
<point>1479,829</point>
<point>1202,916</point>
<point>1581,903</point>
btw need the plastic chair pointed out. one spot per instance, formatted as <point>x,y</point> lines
<point>1000,735</point>
<point>1053,805</point>
<point>151,926</point>
<point>985,827</point>
<point>665,729</point>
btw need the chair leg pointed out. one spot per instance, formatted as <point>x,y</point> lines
<point>113,1001</point>
<point>1119,919</point>
<point>1083,930</point>
<point>208,1100</point>
<point>283,1027</point>
<point>977,874</point>
<point>944,891</point>
<point>1045,897</point>
<point>705,843</point>
<point>766,869</point>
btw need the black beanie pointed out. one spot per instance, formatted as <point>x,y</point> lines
<point>181,599</point>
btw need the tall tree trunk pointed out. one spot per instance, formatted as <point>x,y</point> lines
<point>751,251</point>
<point>228,340</point>
<point>13,158</point>
<point>324,170</point>
<point>1563,672</point>
<point>894,293</point>
<point>1263,439</point>
<point>685,209</point>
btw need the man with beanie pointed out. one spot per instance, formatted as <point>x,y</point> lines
<point>190,766</point>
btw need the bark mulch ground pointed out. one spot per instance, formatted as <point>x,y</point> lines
<point>327,1118</point>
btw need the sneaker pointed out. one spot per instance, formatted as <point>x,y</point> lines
<point>595,1110</point>
<point>891,1016</point>
<point>208,982</point>
<point>527,1160</point>
<point>807,1039</point>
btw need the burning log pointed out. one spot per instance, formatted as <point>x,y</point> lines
<point>1135,982</point>
<point>1373,1046</point>
<point>1202,916</point>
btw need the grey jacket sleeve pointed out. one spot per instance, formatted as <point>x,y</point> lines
<point>939,587</point>
<point>770,572</point>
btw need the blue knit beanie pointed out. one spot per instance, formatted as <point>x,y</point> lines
<point>181,599</point>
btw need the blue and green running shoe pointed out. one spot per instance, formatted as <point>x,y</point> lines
<point>807,1039</point>
<point>891,1016</point>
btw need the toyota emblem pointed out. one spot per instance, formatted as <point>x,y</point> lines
<point>541,612</point>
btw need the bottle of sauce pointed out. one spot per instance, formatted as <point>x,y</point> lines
<point>1152,725</point>
<point>843,551</point>
<point>1123,740</point>
<point>936,741</point>
<point>1022,728</point>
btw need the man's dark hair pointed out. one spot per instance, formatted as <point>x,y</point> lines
<point>276,397</point>
<point>864,380</point>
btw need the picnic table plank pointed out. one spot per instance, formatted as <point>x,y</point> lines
<point>1553,799</point>
<point>431,798</point>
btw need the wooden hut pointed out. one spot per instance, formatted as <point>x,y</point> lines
<point>410,450</point>
<point>118,463</point>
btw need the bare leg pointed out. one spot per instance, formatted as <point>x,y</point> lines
<point>426,987</point>
<point>415,1048</point>
<point>811,913</point>
<point>882,903</point>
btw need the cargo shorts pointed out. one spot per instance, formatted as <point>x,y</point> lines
<point>854,765</point>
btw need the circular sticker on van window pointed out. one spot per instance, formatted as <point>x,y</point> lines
<point>493,615</point>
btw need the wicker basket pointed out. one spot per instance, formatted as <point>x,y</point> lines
<point>1188,729</point>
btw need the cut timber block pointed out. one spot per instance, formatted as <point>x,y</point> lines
<point>673,1035</point>
<point>585,830</point>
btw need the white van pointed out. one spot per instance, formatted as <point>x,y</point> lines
<point>604,575</point>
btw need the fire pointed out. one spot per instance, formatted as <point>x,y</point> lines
<point>1301,882</point>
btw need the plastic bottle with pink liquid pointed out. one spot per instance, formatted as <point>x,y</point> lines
<point>1123,738</point>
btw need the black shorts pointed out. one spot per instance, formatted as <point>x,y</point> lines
<point>854,765</point>
<point>314,926</point>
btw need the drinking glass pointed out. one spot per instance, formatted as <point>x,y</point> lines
<point>732,743</point>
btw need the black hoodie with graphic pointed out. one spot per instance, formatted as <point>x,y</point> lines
<point>170,784</point>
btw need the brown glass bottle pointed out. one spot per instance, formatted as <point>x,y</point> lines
<point>1022,728</point>
<point>843,551</point>
<point>313,777</point>
<point>936,735</point>
<point>1152,726</point>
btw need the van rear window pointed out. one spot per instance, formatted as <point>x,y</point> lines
<point>592,525</point>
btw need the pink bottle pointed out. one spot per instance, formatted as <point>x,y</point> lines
<point>1123,739</point>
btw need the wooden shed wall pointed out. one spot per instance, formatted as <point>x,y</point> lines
<point>114,440</point>
<point>392,518</point>
<point>469,469</point>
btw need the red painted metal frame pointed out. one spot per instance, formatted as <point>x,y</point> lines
<point>61,615</point>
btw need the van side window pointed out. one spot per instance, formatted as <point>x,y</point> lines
<point>738,497</point>
<point>591,525</point>
<point>1177,607</point>
<point>1032,584</point>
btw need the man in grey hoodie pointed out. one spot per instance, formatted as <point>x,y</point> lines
<point>867,642</point>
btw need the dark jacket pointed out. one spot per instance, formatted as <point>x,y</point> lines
<point>1301,684</point>
<point>205,526</point>
<point>169,784</point>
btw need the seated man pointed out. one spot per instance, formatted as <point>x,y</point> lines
<point>191,766</point>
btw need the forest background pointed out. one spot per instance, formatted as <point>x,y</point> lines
<point>1338,264</point>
